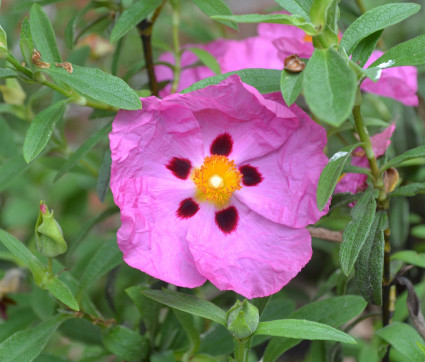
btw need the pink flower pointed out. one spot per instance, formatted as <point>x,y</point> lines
<point>217,184</point>
<point>400,83</point>
<point>355,182</point>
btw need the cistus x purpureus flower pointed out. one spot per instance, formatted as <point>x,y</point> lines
<point>218,185</point>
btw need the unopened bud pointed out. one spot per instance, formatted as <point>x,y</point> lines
<point>391,178</point>
<point>12,92</point>
<point>48,234</point>
<point>242,320</point>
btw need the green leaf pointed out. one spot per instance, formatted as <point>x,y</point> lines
<point>357,230</point>
<point>7,73</point>
<point>370,262</point>
<point>26,43</point>
<point>207,59</point>
<point>132,16</point>
<point>43,36</point>
<point>374,20</point>
<point>60,291</point>
<point>83,150</point>
<point>294,20</point>
<point>7,143</point>
<point>330,174</point>
<point>148,308</point>
<point>215,7</point>
<point>329,86</point>
<point>410,257</point>
<point>70,27</point>
<point>21,251</point>
<point>409,190</point>
<point>410,52</point>
<point>188,325</point>
<point>365,47</point>
<point>319,12</point>
<point>291,85</point>
<point>27,344</point>
<point>303,329</point>
<point>264,80</point>
<point>188,303</point>
<point>125,343</point>
<point>41,130</point>
<point>408,155</point>
<point>11,169</point>
<point>101,86</point>
<point>107,257</point>
<point>297,7</point>
<point>334,311</point>
<point>404,339</point>
<point>102,185</point>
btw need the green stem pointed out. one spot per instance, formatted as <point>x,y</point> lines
<point>176,43</point>
<point>367,143</point>
<point>11,59</point>
<point>241,351</point>
<point>361,6</point>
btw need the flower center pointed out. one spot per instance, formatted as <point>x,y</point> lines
<point>217,179</point>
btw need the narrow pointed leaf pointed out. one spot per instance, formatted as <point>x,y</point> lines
<point>188,303</point>
<point>357,230</point>
<point>7,73</point>
<point>98,85</point>
<point>83,150</point>
<point>410,257</point>
<point>290,86</point>
<point>264,80</point>
<point>329,86</point>
<point>409,190</point>
<point>43,36</point>
<point>103,179</point>
<point>26,44</point>
<point>294,20</point>
<point>404,339</point>
<point>409,155</point>
<point>215,7</point>
<point>297,7</point>
<point>207,59</point>
<point>334,311</point>
<point>61,292</point>
<point>410,52</point>
<point>331,173</point>
<point>365,47</point>
<point>374,20</point>
<point>41,129</point>
<point>26,345</point>
<point>132,16</point>
<point>303,329</point>
<point>125,343</point>
<point>370,262</point>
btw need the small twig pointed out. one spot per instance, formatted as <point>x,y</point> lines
<point>325,234</point>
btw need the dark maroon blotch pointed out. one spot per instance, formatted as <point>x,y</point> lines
<point>250,175</point>
<point>227,219</point>
<point>187,208</point>
<point>222,145</point>
<point>180,167</point>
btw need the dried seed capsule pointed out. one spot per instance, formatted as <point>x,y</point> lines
<point>294,64</point>
<point>36,59</point>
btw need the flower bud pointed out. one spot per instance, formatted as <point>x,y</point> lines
<point>48,234</point>
<point>242,320</point>
<point>12,92</point>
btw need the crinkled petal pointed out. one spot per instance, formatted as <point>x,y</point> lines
<point>287,193</point>
<point>257,125</point>
<point>140,140</point>
<point>255,260</point>
<point>152,237</point>
<point>399,83</point>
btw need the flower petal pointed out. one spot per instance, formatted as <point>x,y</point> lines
<point>255,260</point>
<point>140,140</point>
<point>287,192</point>
<point>399,83</point>
<point>153,235</point>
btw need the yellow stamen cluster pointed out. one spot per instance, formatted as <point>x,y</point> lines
<point>217,179</point>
